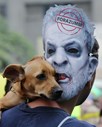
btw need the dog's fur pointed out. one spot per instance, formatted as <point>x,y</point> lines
<point>34,79</point>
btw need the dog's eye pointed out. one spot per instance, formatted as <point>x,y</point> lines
<point>41,76</point>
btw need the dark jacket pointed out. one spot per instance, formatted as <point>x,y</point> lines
<point>24,116</point>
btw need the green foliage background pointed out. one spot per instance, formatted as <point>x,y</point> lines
<point>14,48</point>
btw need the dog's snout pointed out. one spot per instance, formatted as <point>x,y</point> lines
<point>56,94</point>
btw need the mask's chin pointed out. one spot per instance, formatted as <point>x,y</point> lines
<point>64,81</point>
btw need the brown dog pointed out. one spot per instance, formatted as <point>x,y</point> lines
<point>34,79</point>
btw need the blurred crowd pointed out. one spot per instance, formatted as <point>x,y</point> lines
<point>91,109</point>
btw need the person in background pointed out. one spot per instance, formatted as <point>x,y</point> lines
<point>70,47</point>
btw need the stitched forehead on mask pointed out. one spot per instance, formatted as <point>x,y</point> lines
<point>70,20</point>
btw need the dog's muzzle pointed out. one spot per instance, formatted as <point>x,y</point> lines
<point>56,93</point>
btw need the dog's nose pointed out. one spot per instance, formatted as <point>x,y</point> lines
<point>56,94</point>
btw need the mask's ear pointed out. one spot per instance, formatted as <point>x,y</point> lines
<point>14,73</point>
<point>93,62</point>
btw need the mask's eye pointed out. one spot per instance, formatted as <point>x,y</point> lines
<point>41,76</point>
<point>73,50</point>
<point>50,51</point>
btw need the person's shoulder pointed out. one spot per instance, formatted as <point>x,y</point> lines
<point>12,110</point>
<point>73,122</point>
<point>86,124</point>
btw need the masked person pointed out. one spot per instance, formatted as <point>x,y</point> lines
<point>70,46</point>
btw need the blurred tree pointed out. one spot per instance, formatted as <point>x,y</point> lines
<point>13,47</point>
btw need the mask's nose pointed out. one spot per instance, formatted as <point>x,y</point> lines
<point>60,58</point>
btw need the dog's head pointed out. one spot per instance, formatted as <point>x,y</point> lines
<point>36,78</point>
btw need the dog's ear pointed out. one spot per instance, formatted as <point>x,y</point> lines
<point>14,72</point>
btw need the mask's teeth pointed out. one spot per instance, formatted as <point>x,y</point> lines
<point>62,76</point>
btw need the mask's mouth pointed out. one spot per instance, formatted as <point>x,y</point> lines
<point>62,77</point>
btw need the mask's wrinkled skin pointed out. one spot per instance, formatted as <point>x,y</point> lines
<point>69,55</point>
